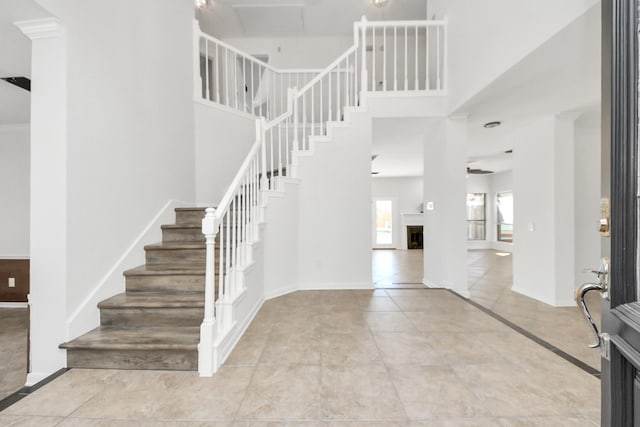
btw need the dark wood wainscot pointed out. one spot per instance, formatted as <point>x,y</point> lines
<point>18,270</point>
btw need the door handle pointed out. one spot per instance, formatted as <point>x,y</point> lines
<point>602,287</point>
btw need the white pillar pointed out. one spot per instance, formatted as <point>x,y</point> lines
<point>445,189</point>
<point>47,297</point>
<point>544,210</point>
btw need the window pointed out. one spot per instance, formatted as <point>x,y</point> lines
<point>476,216</point>
<point>384,225</point>
<point>504,204</point>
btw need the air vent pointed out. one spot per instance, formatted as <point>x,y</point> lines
<point>478,171</point>
<point>21,82</point>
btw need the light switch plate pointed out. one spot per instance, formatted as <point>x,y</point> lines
<point>12,282</point>
<point>431,206</point>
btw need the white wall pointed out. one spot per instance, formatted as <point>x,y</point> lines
<point>587,202</point>
<point>486,38</point>
<point>222,141</point>
<point>408,191</point>
<point>14,191</point>
<point>445,237</point>
<point>130,120</point>
<point>544,211</point>
<point>335,210</point>
<point>294,52</point>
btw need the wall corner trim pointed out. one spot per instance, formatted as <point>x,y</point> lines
<point>41,28</point>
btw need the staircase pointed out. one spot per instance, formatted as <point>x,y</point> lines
<point>155,323</point>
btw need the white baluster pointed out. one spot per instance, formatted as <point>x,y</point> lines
<point>406,66</point>
<point>295,119</point>
<point>445,55</point>
<point>280,174</point>
<point>304,121</point>
<point>438,57</point>
<point>235,79</point>
<point>395,58</point>
<point>253,90</point>
<point>313,113</point>
<point>321,107</point>
<point>363,64</point>
<point>426,59</point>
<point>416,84</point>
<point>226,76</point>
<point>216,73</point>
<point>384,58</point>
<point>263,149</point>
<point>206,69</point>
<point>373,59</point>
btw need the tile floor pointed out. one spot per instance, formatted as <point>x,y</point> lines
<point>13,350</point>
<point>490,281</point>
<point>395,357</point>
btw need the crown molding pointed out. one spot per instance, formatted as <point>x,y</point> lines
<point>41,28</point>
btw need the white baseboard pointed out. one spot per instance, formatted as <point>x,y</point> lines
<point>34,378</point>
<point>284,290</point>
<point>319,286</point>
<point>14,304</point>
<point>14,256</point>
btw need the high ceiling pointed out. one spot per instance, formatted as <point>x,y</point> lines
<point>238,18</point>
<point>560,77</point>
<point>15,58</point>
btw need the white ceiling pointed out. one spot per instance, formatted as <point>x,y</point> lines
<point>15,58</point>
<point>237,18</point>
<point>561,76</point>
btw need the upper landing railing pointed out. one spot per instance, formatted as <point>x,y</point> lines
<point>396,56</point>
<point>293,106</point>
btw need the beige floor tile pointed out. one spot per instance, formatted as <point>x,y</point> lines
<point>28,421</point>
<point>284,349</point>
<point>357,392</point>
<point>543,422</point>
<point>414,348</point>
<point>218,397</point>
<point>465,349</point>
<point>507,391</point>
<point>248,351</point>
<point>346,349</point>
<point>347,322</point>
<point>388,322</point>
<point>377,303</point>
<point>283,393</point>
<point>434,392</point>
<point>456,422</point>
<point>63,395</point>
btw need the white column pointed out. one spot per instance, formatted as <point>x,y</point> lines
<point>47,298</point>
<point>445,189</point>
<point>544,210</point>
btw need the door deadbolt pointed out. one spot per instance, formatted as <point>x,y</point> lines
<point>604,217</point>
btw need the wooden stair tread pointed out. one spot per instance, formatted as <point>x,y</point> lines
<point>154,300</point>
<point>181,226</point>
<point>172,246</point>
<point>192,209</point>
<point>138,338</point>
<point>166,270</point>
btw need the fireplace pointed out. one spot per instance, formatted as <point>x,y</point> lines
<point>414,237</point>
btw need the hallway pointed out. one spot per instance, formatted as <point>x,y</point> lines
<point>395,357</point>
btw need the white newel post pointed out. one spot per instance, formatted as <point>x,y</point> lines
<point>207,364</point>
<point>197,79</point>
<point>48,234</point>
<point>363,62</point>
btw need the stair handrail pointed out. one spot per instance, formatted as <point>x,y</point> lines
<point>271,156</point>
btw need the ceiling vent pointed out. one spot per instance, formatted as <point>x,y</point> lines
<point>471,171</point>
<point>21,82</point>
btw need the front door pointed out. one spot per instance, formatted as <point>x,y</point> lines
<point>620,337</point>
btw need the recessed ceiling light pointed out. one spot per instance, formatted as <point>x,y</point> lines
<point>492,124</point>
<point>380,3</point>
